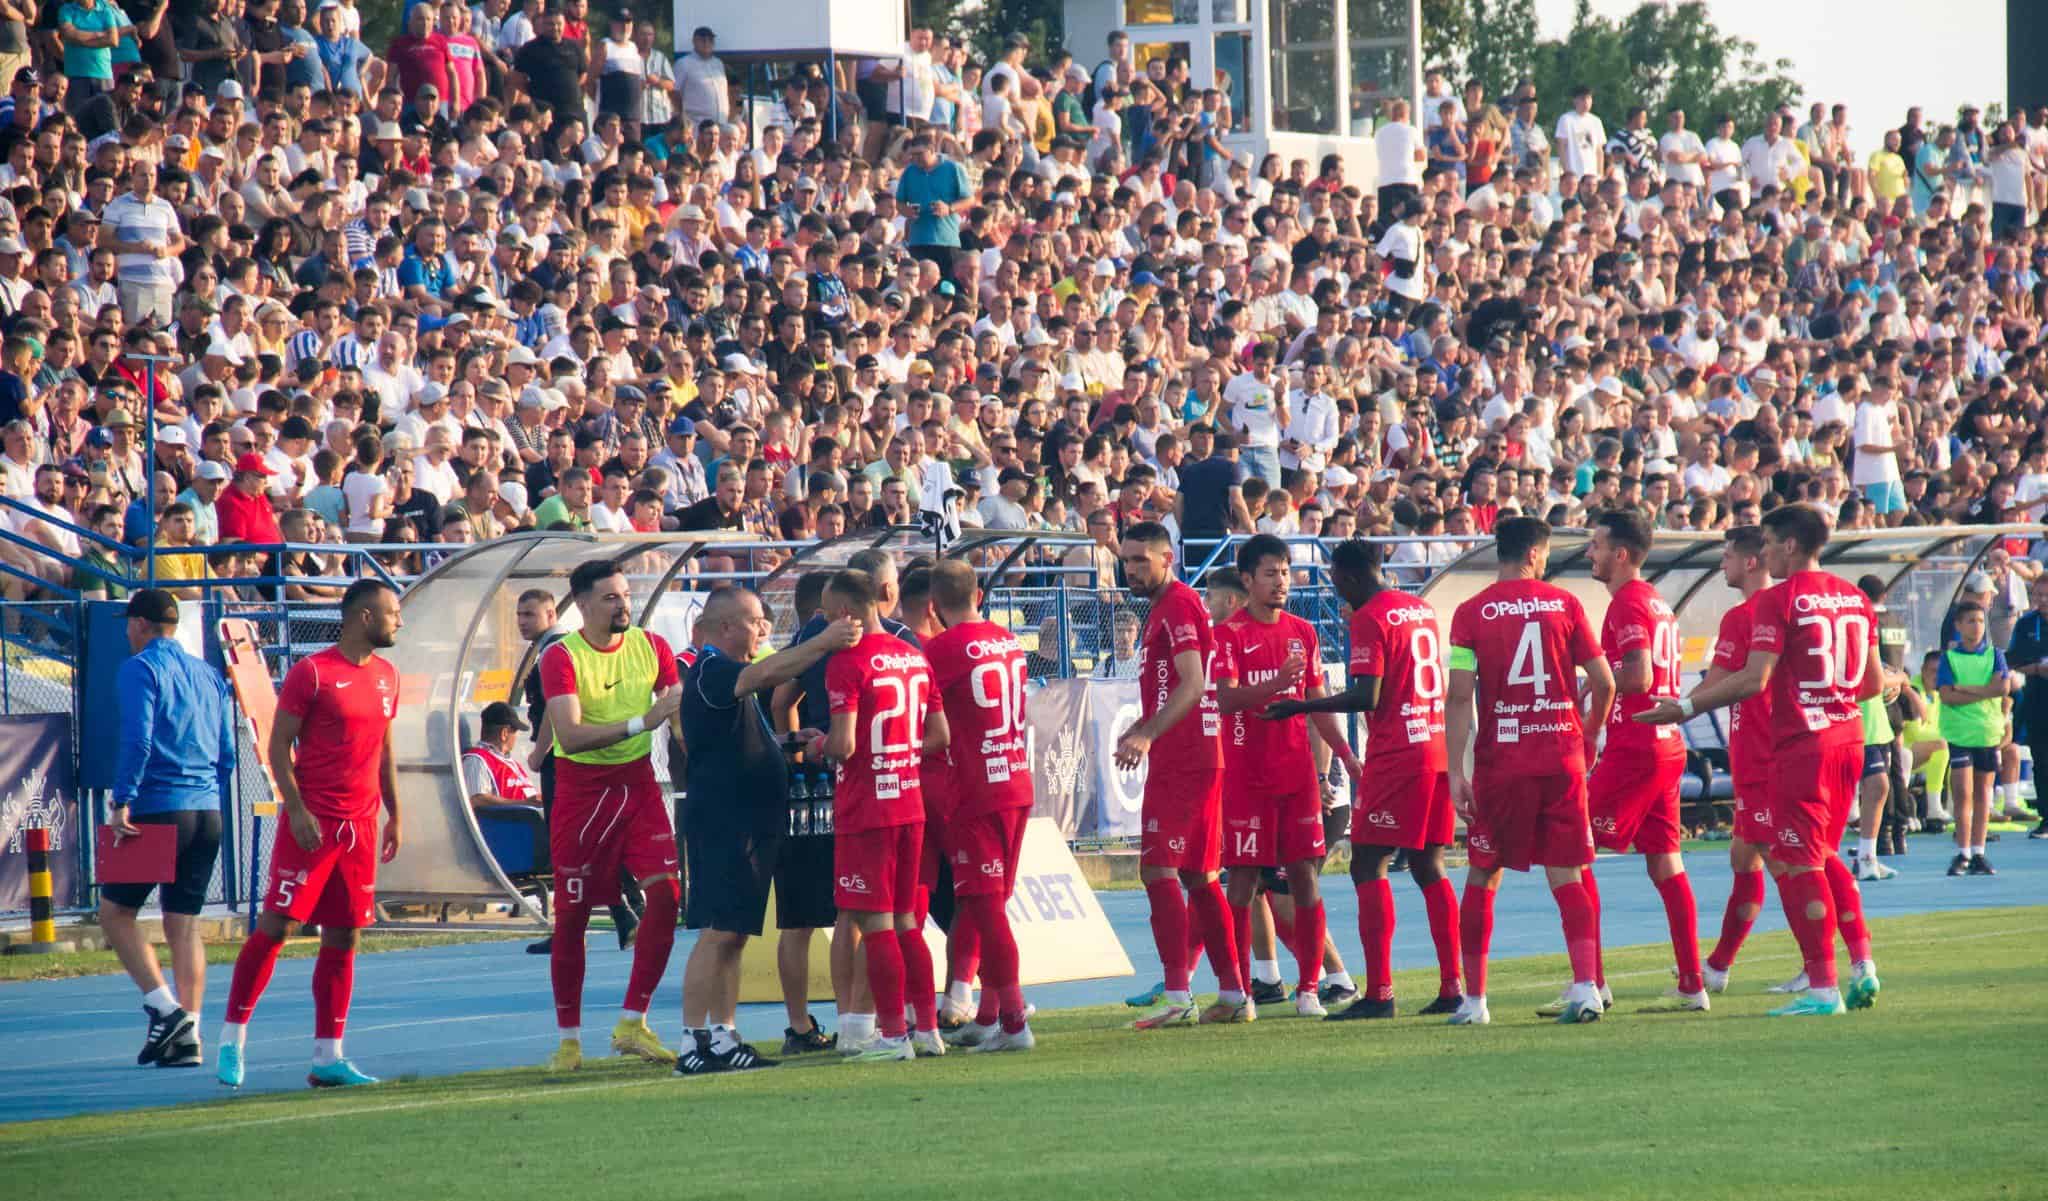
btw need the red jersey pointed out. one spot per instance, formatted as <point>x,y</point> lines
<point>345,710</point>
<point>1177,624</point>
<point>1749,722</point>
<point>1638,619</point>
<point>978,669</point>
<point>884,683</point>
<point>1394,637</point>
<point>1821,628</point>
<point>1251,652</point>
<point>1523,638</point>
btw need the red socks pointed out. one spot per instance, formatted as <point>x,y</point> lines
<point>252,975</point>
<point>1170,931</point>
<point>1682,915</point>
<point>885,977</point>
<point>1475,935</point>
<point>917,977</point>
<point>1311,924</point>
<point>1212,913</point>
<point>1592,887</point>
<point>1241,938</point>
<point>1001,995</point>
<point>1376,934</point>
<point>1581,931</point>
<point>334,982</point>
<point>1193,955</point>
<point>565,961</point>
<point>964,942</point>
<point>652,944</point>
<point>1441,900</point>
<point>1805,894</point>
<point>1848,909</point>
<point>1744,900</point>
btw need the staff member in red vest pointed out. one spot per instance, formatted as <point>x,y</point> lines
<point>490,773</point>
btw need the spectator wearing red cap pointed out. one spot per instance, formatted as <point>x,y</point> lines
<point>243,507</point>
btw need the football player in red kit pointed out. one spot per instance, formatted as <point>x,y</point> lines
<point>1403,797</point>
<point>1632,795</point>
<point>330,752</point>
<point>1272,799</point>
<point>1749,753</point>
<point>1179,728</point>
<point>1513,650</point>
<point>883,725</point>
<point>979,671</point>
<point>1813,644</point>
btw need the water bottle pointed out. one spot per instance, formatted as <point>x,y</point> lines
<point>822,794</point>
<point>799,799</point>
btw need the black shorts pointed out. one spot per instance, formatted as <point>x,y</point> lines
<point>198,850</point>
<point>1877,760</point>
<point>1976,758</point>
<point>730,871</point>
<point>1336,824</point>
<point>803,884</point>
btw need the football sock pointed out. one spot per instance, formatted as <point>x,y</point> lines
<point>1475,935</point>
<point>1193,956</point>
<point>1977,850</point>
<point>1339,980</point>
<point>160,1000</point>
<point>334,982</point>
<point>1241,939</point>
<point>1744,900</point>
<point>1311,923</point>
<point>999,965</point>
<point>1848,900</point>
<point>1592,887</point>
<point>724,1040</point>
<point>565,960</point>
<point>1170,931</point>
<point>1212,913</point>
<point>960,992</point>
<point>885,977</point>
<point>917,977</point>
<point>1441,901</point>
<point>1681,915</point>
<point>1810,911</point>
<point>253,965</point>
<point>326,1051</point>
<point>652,945</point>
<point>1376,934</point>
<point>1264,971</point>
<point>854,1027</point>
<point>1866,848</point>
<point>234,1033</point>
<point>1581,931</point>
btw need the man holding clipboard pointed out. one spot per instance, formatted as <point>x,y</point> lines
<point>177,744</point>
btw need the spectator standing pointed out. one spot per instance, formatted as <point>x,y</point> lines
<point>1581,138</point>
<point>700,80</point>
<point>1401,152</point>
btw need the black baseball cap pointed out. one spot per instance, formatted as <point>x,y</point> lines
<point>153,605</point>
<point>498,716</point>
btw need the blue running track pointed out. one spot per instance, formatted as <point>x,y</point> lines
<point>71,1043</point>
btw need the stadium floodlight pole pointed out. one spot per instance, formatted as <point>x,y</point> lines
<point>149,460</point>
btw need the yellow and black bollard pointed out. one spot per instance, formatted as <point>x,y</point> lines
<point>42,922</point>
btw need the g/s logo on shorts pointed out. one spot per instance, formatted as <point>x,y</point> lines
<point>1382,818</point>
<point>1790,838</point>
<point>994,867</point>
<point>1176,845</point>
<point>853,883</point>
<point>1604,824</point>
<point>1480,842</point>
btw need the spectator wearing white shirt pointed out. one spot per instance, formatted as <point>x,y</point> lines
<point>1682,152</point>
<point>1769,159</point>
<point>1313,423</point>
<point>1705,474</point>
<point>1399,147</point>
<point>1723,165</point>
<point>1581,138</point>
<point>700,81</point>
<point>1876,435</point>
<point>1252,408</point>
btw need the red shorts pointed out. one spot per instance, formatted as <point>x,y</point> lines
<point>613,820</point>
<point>335,885</point>
<point>1265,826</point>
<point>1753,812</point>
<point>1403,807</point>
<point>986,851</point>
<point>1524,821</point>
<point>1632,800</point>
<point>876,869</point>
<point>1813,792</point>
<point>1183,820</point>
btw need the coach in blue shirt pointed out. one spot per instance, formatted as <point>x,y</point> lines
<point>177,748</point>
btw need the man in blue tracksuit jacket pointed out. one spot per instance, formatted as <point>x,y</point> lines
<point>177,748</point>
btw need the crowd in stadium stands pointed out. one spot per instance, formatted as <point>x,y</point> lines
<point>522,268</point>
